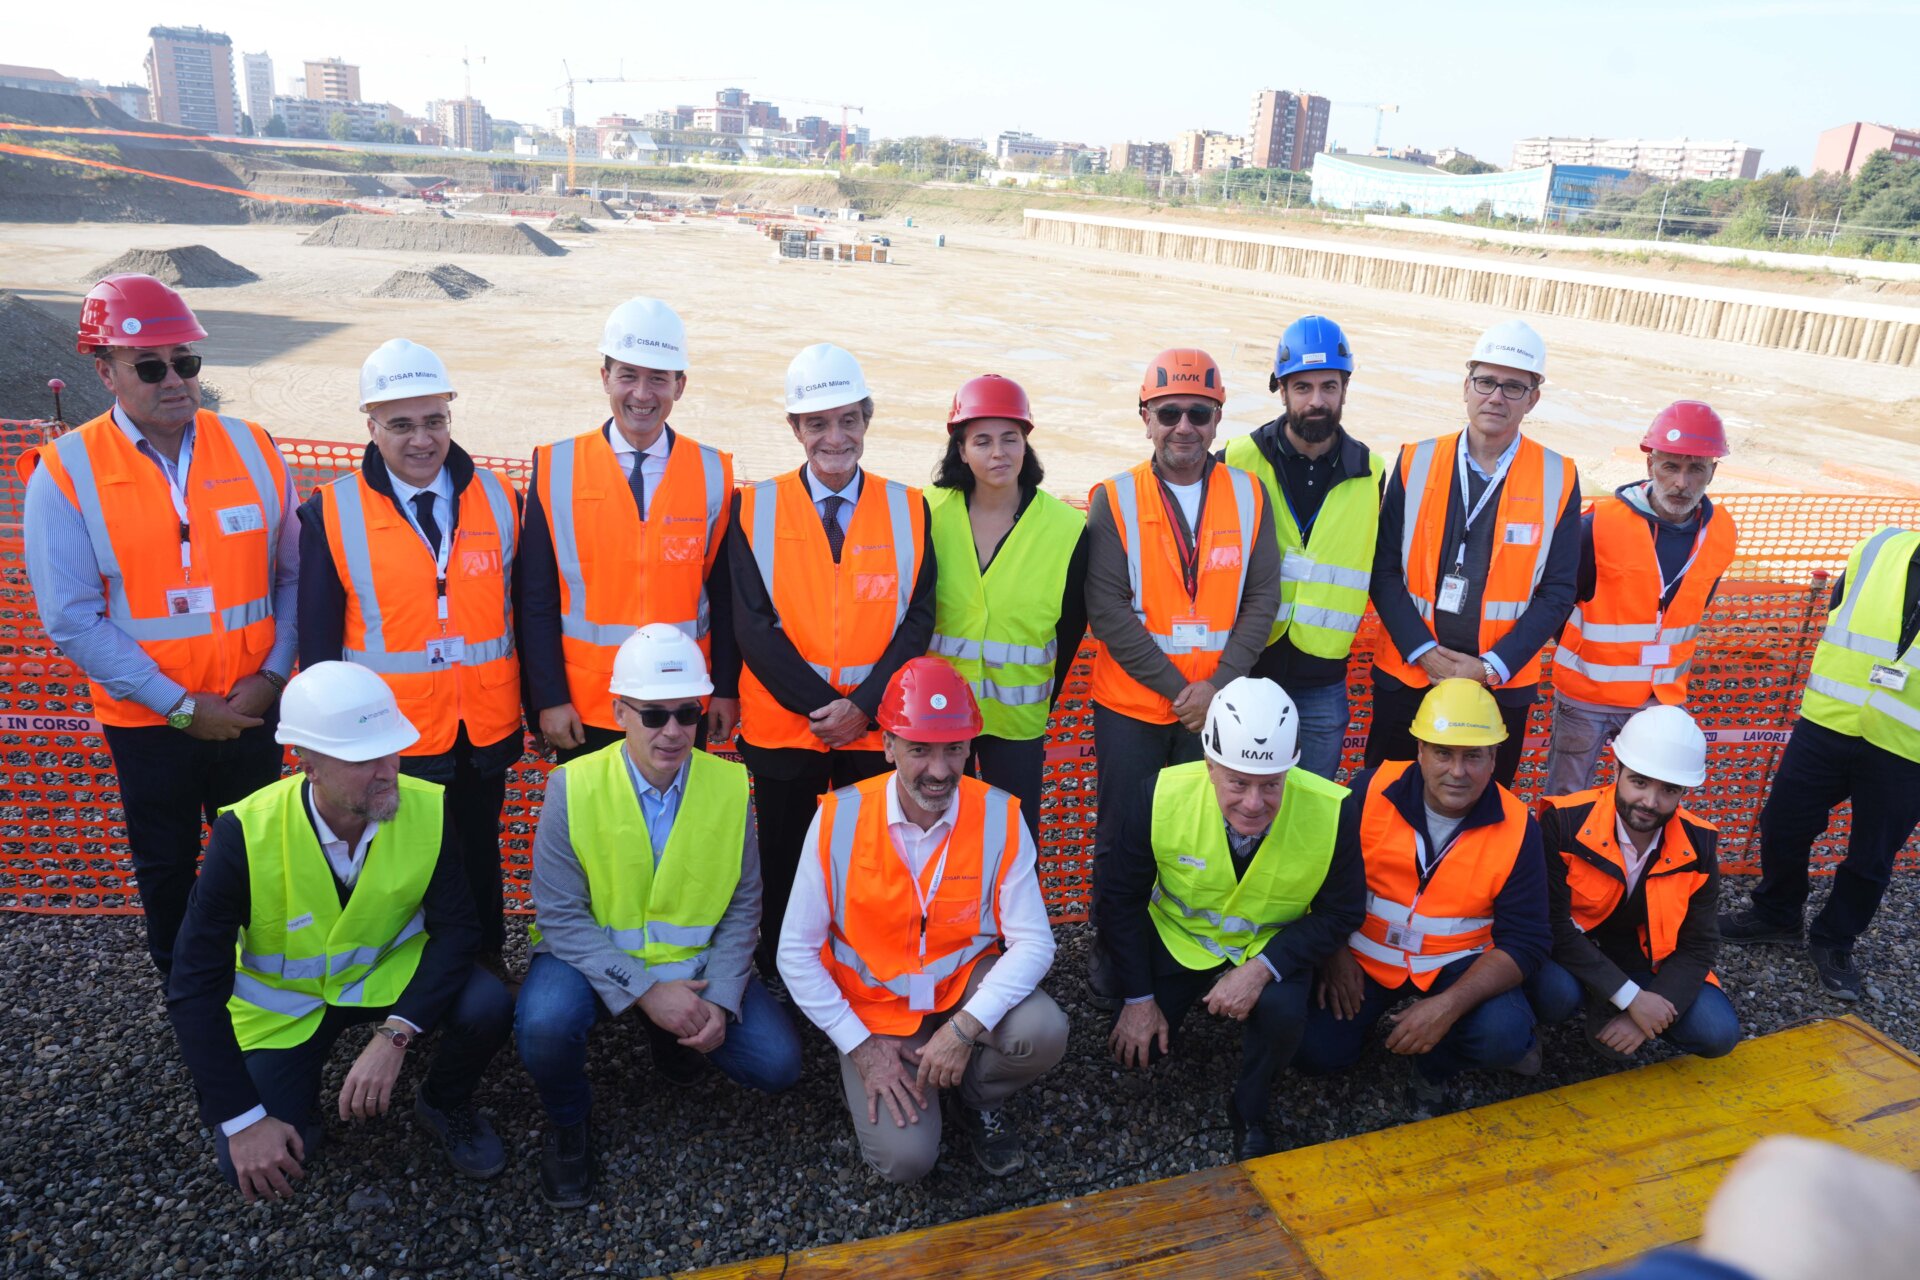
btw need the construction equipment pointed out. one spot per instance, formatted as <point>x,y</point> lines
<point>572,80</point>
<point>1379,110</point>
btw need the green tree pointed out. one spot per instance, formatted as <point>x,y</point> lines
<point>1469,165</point>
<point>1880,172</point>
<point>276,127</point>
<point>339,128</point>
<point>246,126</point>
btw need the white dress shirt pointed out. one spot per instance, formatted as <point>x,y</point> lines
<point>1023,925</point>
<point>820,491</point>
<point>653,458</point>
<point>441,487</point>
<point>1636,865</point>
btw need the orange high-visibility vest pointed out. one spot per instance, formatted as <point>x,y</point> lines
<point>1453,915</point>
<point>1525,516</point>
<point>1619,649</point>
<point>879,937</point>
<point>393,623</point>
<point>235,498</point>
<point>618,572</point>
<point>840,617</point>
<point>1191,630</point>
<point>1597,872</point>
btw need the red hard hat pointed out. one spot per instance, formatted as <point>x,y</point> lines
<point>989,396</point>
<point>135,311</point>
<point>928,701</point>
<point>1183,371</point>
<point>1689,427</point>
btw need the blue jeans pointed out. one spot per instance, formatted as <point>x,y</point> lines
<point>1325,717</point>
<point>1495,1033</point>
<point>558,1007</point>
<point>1708,1029</point>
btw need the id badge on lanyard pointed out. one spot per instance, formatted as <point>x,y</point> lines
<point>1452,597</point>
<point>1658,654</point>
<point>447,650</point>
<point>185,599</point>
<point>921,986</point>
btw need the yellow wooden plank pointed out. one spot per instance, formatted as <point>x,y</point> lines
<point>1549,1186</point>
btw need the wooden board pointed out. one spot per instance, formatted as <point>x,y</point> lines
<point>1592,1174</point>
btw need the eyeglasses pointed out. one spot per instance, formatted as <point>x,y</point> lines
<point>153,369</point>
<point>687,714</point>
<point>437,425</point>
<point>1511,390</point>
<point>1198,414</point>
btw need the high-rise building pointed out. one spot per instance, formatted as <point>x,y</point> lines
<point>259,75</point>
<point>1148,159</point>
<point>1844,148</point>
<point>333,80</point>
<point>463,122</point>
<point>1669,160</point>
<point>1288,129</point>
<point>1223,151</point>
<point>190,74</point>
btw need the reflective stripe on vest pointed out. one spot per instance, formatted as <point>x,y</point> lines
<point>1128,514</point>
<point>1862,634</point>
<point>1670,879</point>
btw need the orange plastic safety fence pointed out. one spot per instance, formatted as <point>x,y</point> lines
<point>62,841</point>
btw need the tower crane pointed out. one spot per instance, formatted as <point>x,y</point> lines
<point>1379,110</point>
<point>573,80</point>
<point>845,107</point>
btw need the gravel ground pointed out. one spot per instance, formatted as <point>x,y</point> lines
<point>105,1169</point>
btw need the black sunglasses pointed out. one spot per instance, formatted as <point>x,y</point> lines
<point>1198,414</point>
<point>657,717</point>
<point>154,369</point>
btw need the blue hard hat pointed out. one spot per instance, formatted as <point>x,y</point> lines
<point>1311,342</point>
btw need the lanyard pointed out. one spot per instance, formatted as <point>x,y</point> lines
<point>930,891</point>
<point>1184,542</point>
<point>441,554</point>
<point>1667,584</point>
<point>179,498</point>
<point>1486,495</point>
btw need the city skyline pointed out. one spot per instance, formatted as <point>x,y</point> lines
<point>1477,78</point>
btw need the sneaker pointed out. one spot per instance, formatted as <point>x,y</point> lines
<point>993,1139</point>
<point>473,1148</point>
<point>1838,976</point>
<point>1529,1064</point>
<point>1426,1098</point>
<point>567,1172</point>
<point>1747,925</point>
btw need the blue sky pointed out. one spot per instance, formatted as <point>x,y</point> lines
<point>1476,76</point>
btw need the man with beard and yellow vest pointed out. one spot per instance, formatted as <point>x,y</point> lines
<point>1633,887</point>
<point>1324,488</point>
<point>646,894</point>
<point>1238,879</point>
<point>344,889</point>
<point>409,573</point>
<point>1858,739</point>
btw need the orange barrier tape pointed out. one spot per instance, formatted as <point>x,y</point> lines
<point>303,144</point>
<point>39,153</point>
<point>62,836</point>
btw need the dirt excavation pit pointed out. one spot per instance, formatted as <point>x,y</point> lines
<point>432,235</point>
<point>192,266</point>
<point>36,345</point>
<point>441,282</point>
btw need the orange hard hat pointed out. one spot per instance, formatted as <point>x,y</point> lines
<point>135,311</point>
<point>1688,427</point>
<point>928,701</point>
<point>1183,371</point>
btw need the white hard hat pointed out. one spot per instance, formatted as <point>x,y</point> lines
<point>660,662</point>
<point>1512,343</point>
<point>1663,743</point>
<point>342,710</point>
<point>1253,727</point>
<point>646,332</point>
<point>824,377</point>
<point>401,370</point>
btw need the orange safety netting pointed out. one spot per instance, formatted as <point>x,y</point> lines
<point>41,153</point>
<point>62,838</point>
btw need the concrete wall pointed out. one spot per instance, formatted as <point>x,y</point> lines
<point>1852,330</point>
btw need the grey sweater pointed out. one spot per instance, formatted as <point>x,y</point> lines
<point>563,910</point>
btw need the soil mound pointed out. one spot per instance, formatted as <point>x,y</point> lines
<point>570,222</point>
<point>441,282</point>
<point>36,345</point>
<point>432,235</point>
<point>192,266</point>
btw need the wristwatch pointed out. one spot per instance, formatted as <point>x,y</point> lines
<point>181,717</point>
<point>1493,673</point>
<point>399,1037</point>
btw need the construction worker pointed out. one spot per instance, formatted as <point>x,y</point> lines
<point>1651,557</point>
<point>1858,739</point>
<point>344,887</point>
<point>1456,911</point>
<point>1478,554</point>
<point>1234,883</point>
<point>833,580</point>
<point>646,894</point>
<point>624,526</point>
<point>1324,488</point>
<point>410,574</point>
<point>1183,582</point>
<point>164,560</point>
<point>1010,606</point>
<point>1633,889</point>
<point>916,938</point>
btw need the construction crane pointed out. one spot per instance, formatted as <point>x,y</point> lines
<point>845,107</point>
<point>1379,110</point>
<point>573,80</point>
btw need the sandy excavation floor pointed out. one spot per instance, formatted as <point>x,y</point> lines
<point>1074,326</point>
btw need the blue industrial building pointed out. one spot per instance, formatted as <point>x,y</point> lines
<point>1551,193</point>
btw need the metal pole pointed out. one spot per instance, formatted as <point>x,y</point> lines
<point>1661,224</point>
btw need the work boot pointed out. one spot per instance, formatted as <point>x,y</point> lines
<point>567,1172</point>
<point>1747,925</point>
<point>1530,1061</point>
<point>1102,992</point>
<point>1598,1016</point>
<point>1426,1098</point>
<point>1250,1139</point>
<point>473,1148</point>
<point>1838,976</point>
<point>676,1063</point>
<point>992,1138</point>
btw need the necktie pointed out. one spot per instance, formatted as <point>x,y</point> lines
<point>637,481</point>
<point>830,521</point>
<point>423,508</point>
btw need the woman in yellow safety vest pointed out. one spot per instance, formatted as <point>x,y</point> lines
<point>1010,599</point>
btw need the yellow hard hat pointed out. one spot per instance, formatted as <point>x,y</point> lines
<point>1459,713</point>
